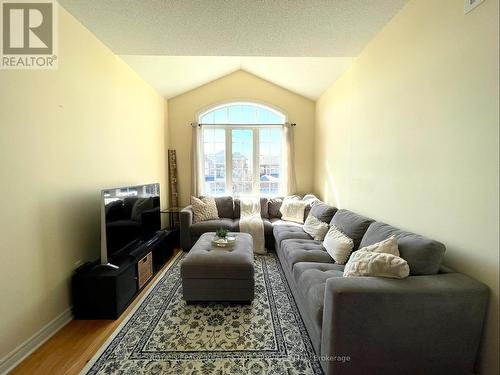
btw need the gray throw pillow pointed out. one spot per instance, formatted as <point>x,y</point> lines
<point>141,205</point>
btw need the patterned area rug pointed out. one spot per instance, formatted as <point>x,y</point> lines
<point>164,335</point>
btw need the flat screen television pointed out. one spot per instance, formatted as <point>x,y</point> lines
<point>130,216</point>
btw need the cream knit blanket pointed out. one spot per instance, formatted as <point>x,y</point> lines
<point>251,222</point>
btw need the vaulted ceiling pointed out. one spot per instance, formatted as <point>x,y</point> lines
<point>163,39</point>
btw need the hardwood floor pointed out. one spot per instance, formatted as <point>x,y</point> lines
<point>69,350</point>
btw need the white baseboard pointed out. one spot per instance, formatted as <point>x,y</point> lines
<point>15,357</point>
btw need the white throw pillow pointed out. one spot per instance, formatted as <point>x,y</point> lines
<point>315,227</point>
<point>292,209</point>
<point>389,246</point>
<point>338,245</point>
<point>204,209</point>
<point>367,263</point>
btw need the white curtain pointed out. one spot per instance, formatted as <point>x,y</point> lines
<point>290,184</point>
<point>196,180</point>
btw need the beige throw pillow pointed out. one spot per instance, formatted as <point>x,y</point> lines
<point>315,227</point>
<point>389,246</point>
<point>367,263</point>
<point>338,245</point>
<point>204,209</point>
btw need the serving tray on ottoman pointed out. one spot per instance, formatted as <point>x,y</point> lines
<point>212,274</point>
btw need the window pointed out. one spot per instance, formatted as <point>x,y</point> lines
<point>242,150</point>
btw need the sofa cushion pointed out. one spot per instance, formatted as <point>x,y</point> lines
<point>268,227</point>
<point>263,208</point>
<point>311,281</point>
<point>197,229</point>
<point>285,232</point>
<point>225,207</point>
<point>274,206</point>
<point>276,222</point>
<point>352,225</point>
<point>301,250</point>
<point>322,211</point>
<point>423,255</point>
<point>300,267</point>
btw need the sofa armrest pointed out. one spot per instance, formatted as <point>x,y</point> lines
<point>418,325</point>
<point>186,218</point>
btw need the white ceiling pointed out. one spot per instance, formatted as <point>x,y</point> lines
<point>249,31</point>
<point>171,76</point>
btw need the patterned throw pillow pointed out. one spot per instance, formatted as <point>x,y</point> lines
<point>204,209</point>
<point>315,228</point>
<point>388,246</point>
<point>338,245</point>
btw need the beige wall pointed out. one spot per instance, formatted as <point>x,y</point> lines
<point>409,135</point>
<point>240,85</point>
<point>64,135</point>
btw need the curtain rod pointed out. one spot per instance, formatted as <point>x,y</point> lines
<point>193,124</point>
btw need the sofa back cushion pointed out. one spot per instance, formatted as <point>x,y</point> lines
<point>225,207</point>
<point>323,212</point>
<point>352,225</point>
<point>423,255</point>
<point>263,208</point>
<point>274,206</point>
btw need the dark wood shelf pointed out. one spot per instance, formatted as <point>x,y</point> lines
<point>103,293</point>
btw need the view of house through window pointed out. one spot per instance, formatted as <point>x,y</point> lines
<point>242,150</point>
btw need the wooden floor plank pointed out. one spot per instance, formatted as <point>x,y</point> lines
<point>69,350</point>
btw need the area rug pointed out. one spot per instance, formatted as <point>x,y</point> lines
<point>164,335</point>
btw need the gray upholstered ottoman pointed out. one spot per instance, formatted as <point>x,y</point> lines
<point>212,274</point>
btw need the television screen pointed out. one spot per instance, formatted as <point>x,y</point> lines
<point>131,215</point>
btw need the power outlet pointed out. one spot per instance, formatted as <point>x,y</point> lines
<point>471,4</point>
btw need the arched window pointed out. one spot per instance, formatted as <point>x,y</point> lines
<point>242,114</point>
<point>241,150</point>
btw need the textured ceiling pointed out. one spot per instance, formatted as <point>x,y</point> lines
<point>307,76</point>
<point>234,28</point>
<point>178,45</point>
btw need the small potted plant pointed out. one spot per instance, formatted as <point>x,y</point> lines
<point>221,233</point>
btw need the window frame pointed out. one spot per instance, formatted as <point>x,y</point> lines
<point>228,128</point>
<point>258,105</point>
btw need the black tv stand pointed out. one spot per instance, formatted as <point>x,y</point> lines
<point>138,250</point>
<point>103,292</point>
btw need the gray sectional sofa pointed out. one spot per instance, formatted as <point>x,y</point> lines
<point>428,323</point>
